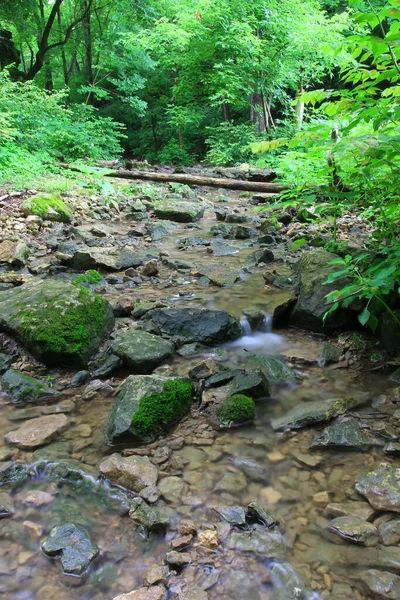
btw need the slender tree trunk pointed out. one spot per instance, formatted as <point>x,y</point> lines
<point>225,112</point>
<point>88,44</point>
<point>256,112</point>
<point>63,56</point>
<point>300,106</point>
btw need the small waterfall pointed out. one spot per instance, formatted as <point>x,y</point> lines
<point>246,327</point>
<point>266,325</point>
<point>260,340</point>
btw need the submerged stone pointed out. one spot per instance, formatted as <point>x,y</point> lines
<point>261,541</point>
<point>345,435</point>
<point>234,515</point>
<point>6,506</point>
<point>219,275</point>
<point>132,472</point>
<point>381,487</point>
<point>36,432</point>
<point>74,546</point>
<point>380,584</point>
<point>23,388</point>
<point>13,472</point>
<point>355,529</point>
<point>153,518</point>
<point>274,369</point>
<point>140,351</point>
<point>309,413</point>
<point>58,322</point>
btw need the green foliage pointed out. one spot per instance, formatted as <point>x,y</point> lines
<point>236,410</point>
<point>89,278</point>
<point>229,143</point>
<point>48,207</point>
<point>69,332</point>
<point>162,410</point>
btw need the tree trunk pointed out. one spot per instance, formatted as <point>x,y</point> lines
<point>63,56</point>
<point>88,44</point>
<point>225,112</point>
<point>256,112</point>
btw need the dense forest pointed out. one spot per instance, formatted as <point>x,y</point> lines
<point>199,299</point>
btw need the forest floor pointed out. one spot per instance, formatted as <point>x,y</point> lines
<point>331,490</point>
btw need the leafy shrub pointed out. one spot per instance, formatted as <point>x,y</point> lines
<point>229,144</point>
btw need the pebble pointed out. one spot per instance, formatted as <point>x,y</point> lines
<point>208,539</point>
<point>270,495</point>
<point>37,498</point>
<point>275,457</point>
<point>321,499</point>
<point>187,527</point>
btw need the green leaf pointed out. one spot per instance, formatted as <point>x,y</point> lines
<point>364,316</point>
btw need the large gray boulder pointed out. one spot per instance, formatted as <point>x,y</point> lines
<point>187,325</point>
<point>179,211</point>
<point>142,352</point>
<point>109,257</point>
<point>313,270</point>
<point>58,322</point>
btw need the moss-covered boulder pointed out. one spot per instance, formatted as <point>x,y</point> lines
<point>22,388</point>
<point>146,406</point>
<point>236,410</point>
<point>274,369</point>
<point>49,208</point>
<point>58,322</point>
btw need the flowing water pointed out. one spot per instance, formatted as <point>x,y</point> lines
<point>218,468</point>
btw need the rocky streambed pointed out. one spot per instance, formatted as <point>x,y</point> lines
<point>173,421</point>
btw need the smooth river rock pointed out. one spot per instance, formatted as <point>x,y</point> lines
<point>355,529</point>
<point>380,584</point>
<point>37,432</point>
<point>142,352</point>
<point>132,472</point>
<point>381,487</point>
<point>181,212</point>
<point>309,413</point>
<point>145,593</point>
<point>74,545</point>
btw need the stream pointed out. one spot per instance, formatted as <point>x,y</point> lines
<point>230,468</point>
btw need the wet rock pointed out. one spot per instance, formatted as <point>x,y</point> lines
<point>193,594</point>
<point>22,414</point>
<point>14,253</point>
<point>206,368</point>
<point>107,367</point>
<point>110,257</point>
<point>250,382</point>
<point>6,361</point>
<point>252,469</point>
<point>381,487</point>
<point>153,518</point>
<point>57,450</point>
<point>220,275</point>
<point>151,494</point>
<point>80,378</point>
<point>181,542</point>
<point>178,265</point>
<point>392,448</point>
<point>240,585</point>
<point>344,435</point>
<point>187,325</point>
<point>64,323</point>
<point>256,510</point>
<point>231,482</point>
<point>74,545</point>
<point>329,353</point>
<point>242,232</point>
<point>127,403</point>
<point>140,351</point>
<point>72,471</point>
<point>178,211</point>
<point>225,231</point>
<point>150,268</point>
<point>389,532</point>
<point>177,560</point>
<point>287,584</point>
<point>145,593</point>
<point>6,505</point>
<point>355,530</point>
<point>207,539</point>
<point>132,472</point>
<point>257,539</point>
<point>361,510</point>
<point>187,527</point>
<point>313,270</point>
<point>309,413</point>
<point>263,255</point>
<point>37,498</point>
<point>37,432</point>
<point>156,574</point>
<point>274,369</point>
<point>380,584</point>
<point>234,515</point>
<point>23,388</point>
<point>172,488</point>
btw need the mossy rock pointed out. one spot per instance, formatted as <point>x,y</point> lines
<point>58,322</point>
<point>235,410</point>
<point>22,388</point>
<point>49,208</point>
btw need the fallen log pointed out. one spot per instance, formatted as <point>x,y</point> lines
<point>232,184</point>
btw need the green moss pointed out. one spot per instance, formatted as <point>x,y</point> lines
<point>90,277</point>
<point>69,331</point>
<point>235,410</point>
<point>48,207</point>
<point>159,411</point>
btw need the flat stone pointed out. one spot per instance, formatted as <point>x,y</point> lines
<point>350,509</point>
<point>264,543</point>
<point>310,460</point>
<point>132,472</point>
<point>153,518</point>
<point>380,584</point>
<point>156,574</point>
<point>232,482</point>
<point>309,413</point>
<point>219,275</point>
<point>389,532</point>
<point>172,488</point>
<point>181,542</point>
<point>181,212</point>
<point>355,530</point>
<point>177,559</point>
<point>38,498</point>
<point>145,593</point>
<point>109,257</point>
<point>234,515</point>
<point>275,370</point>
<point>75,546</point>
<point>270,495</point>
<point>22,388</point>
<point>32,412</point>
<point>37,432</point>
<point>344,435</point>
<point>381,487</point>
<point>142,352</point>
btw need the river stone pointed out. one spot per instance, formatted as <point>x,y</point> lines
<point>107,367</point>
<point>140,351</point>
<point>178,211</point>
<point>252,469</point>
<point>256,510</point>
<point>345,435</point>
<point>249,382</point>
<point>12,472</point>
<point>355,530</point>
<point>73,471</point>
<point>153,518</point>
<point>110,257</point>
<point>381,487</point>
<point>258,539</point>
<point>389,532</point>
<point>135,388</point>
<point>345,509</point>
<point>187,325</point>
<point>234,515</point>
<point>263,255</point>
<point>309,413</point>
<point>57,450</point>
<point>232,482</point>
<point>313,269</point>
<point>173,488</point>
<point>177,560</point>
<point>156,574</point>
<point>6,505</point>
<point>75,546</point>
<point>380,584</point>
<point>14,253</point>
<point>58,322</point>
<point>287,584</point>
<point>37,432</point>
<point>145,593</point>
<point>23,388</point>
<point>274,369</point>
<point>132,472</point>
<point>48,207</point>
<point>220,275</point>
